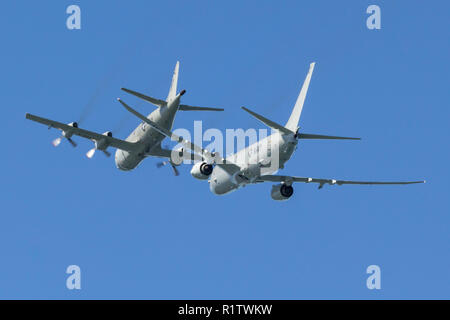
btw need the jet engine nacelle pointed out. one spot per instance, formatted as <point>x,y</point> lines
<point>201,170</point>
<point>281,192</point>
<point>108,133</point>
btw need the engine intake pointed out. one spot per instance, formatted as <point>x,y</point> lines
<point>281,192</point>
<point>202,170</point>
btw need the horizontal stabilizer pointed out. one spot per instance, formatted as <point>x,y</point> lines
<point>156,102</point>
<point>184,107</point>
<point>268,122</point>
<point>320,136</point>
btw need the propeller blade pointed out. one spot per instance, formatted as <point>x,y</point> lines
<point>175,171</point>
<point>73,143</point>
<point>161,164</point>
<point>56,142</point>
<point>90,153</point>
<point>164,163</point>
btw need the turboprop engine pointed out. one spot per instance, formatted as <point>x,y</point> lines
<point>66,134</point>
<point>101,144</point>
<point>281,192</point>
<point>201,170</point>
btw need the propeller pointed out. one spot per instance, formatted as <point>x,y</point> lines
<point>100,144</point>
<point>58,140</point>
<point>164,163</point>
<point>73,143</point>
<point>92,102</point>
<point>65,134</point>
<point>91,153</point>
<point>85,112</point>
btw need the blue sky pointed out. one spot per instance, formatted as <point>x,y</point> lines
<point>147,234</point>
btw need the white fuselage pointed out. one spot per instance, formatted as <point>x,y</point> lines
<point>261,157</point>
<point>148,137</point>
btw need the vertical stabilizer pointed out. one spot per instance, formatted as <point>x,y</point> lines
<point>292,123</point>
<point>173,86</point>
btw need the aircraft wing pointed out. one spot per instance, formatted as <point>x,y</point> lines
<point>160,152</point>
<point>322,182</point>
<point>113,142</point>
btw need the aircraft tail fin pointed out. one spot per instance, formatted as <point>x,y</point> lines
<point>292,123</point>
<point>173,86</point>
<point>291,126</point>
